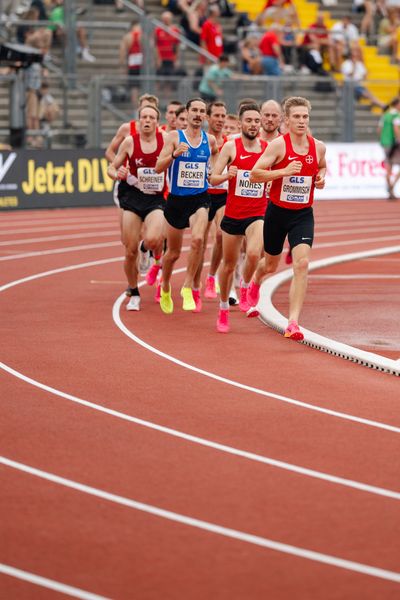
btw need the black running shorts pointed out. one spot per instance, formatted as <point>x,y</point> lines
<point>179,209</point>
<point>216,202</point>
<point>237,226</point>
<point>132,199</point>
<point>297,225</point>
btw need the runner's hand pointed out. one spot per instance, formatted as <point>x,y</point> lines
<point>122,172</point>
<point>181,149</point>
<point>232,172</point>
<point>294,167</point>
<point>320,181</point>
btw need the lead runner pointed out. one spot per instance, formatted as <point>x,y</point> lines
<point>289,212</point>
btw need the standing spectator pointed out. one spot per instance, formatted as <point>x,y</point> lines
<point>210,87</point>
<point>194,16</point>
<point>355,70</point>
<point>38,37</point>
<point>270,46</point>
<point>167,45</point>
<point>368,7</point>
<point>317,37</point>
<point>33,82</point>
<point>389,130</point>
<point>58,29</point>
<point>343,34</point>
<point>131,57</point>
<point>211,33</point>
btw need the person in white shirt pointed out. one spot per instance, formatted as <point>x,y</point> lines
<point>343,34</point>
<point>355,70</point>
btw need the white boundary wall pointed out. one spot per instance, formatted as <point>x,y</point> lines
<point>355,171</point>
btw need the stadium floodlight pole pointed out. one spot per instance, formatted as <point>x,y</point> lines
<point>70,41</point>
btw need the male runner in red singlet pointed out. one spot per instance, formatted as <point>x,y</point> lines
<point>271,118</point>
<point>245,208</point>
<point>142,201</point>
<point>170,116</point>
<point>289,211</point>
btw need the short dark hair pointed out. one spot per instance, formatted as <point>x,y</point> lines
<point>249,106</point>
<point>190,102</point>
<point>180,110</point>
<point>217,104</point>
<point>223,58</point>
<point>174,103</point>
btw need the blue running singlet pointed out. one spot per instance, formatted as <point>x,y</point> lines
<point>188,172</point>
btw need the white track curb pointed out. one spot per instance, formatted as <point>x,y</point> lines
<point>272,317</point>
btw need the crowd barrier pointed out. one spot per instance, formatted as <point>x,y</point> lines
<point>32,179</point>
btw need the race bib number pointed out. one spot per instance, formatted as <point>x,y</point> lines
<point>296,189</point>
<point>149,180</point>
<point>135,60</point>
<point>245,188</point>
<point>191,175</point>
<point>220,186</point>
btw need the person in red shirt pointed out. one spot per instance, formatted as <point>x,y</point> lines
<point>131,57</point>
<point>211,33</point>
<point>278,10</point>
<point>245,208</point>
<point>296,165</point>
<point>317,38</point>
<point>270,47</point>
<point>167,45</point>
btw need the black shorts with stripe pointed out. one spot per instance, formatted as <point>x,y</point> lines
<point>297,225</point>
<point>179,209</point>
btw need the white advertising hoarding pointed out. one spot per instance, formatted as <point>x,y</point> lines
<point>354,171</point>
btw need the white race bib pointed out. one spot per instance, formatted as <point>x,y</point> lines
<point>191,174</point>
<point>135,60</point>
<point>245,188</point>
<point>149,180</point>
<point>296,189</point>
<point>220,186</point>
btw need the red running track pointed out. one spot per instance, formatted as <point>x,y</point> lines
<point>253,468</point>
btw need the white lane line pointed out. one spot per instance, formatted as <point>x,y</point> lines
<point>57,238</point>
<point>335,232</point>
<point>65,220</point>
<point>116,317</point>
<point>389,238</point>
<point>279,464</point>
<point>60,250</point>
<point>50,584</point>
<point>60,228</point>
<point>272,317</point>
<point>235,534</point>
<point>358,276</point>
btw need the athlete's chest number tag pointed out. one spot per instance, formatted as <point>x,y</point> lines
<point>296,188</point>
<point>192,174</point>
<point>149,180</point>
<point>245,188</point>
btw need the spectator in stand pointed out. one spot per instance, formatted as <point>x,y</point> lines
<point>193,18</point>
<point>57,18</point>
<point>278,10</point>
<point>387,38</point>
<point>167,45</point>
<point>355,70</point>
<point>251,55</point>
<point>389,138</point>
<point>368,7</point>
<point>289,47</point>
<point>131,58</point>
<point>33,82</point>
<point>170,116</point>
<point>270,47</point>
<point>38,37</point>
<point>48,107</point>
<point>317,37</point>
<point>210,87</point>
<point>211,33</point>
<point>343,34</point>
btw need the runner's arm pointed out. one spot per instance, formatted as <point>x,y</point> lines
<point>274,152</point>
<point>320,178</point>
<point>125,151</point>
<point>224,158</point>
<point>167,153</point>
<point>117,140</point>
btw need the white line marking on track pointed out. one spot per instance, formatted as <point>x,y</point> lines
<point>60,228</point>
<point>235,534</point>
<point>363,487</point>
<point>58,238</point>
<point>50,584</point>
<point>61,250</point>
<point>358,276</point>
<point>388,238</point>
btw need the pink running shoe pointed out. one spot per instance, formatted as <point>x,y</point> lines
<point>152,273</point>
<point>223,321</point>
<point>253,294</point>
<point>157,296</point>
<point>243,304</point>
<point>293,332</point>
<point>197,300</point>
<point>288,257</point>
<point>210,291</point>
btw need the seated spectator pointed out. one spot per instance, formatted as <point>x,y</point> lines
<point>48,107</point>
<point>167,45</point>
<point>251,55</point>
<point>277,11</point>
<point>387,32</point>
<point>271,51</point>
<point>343,34</point>
<point>38,37</point>
<point>210,87</point>
<point>58,29</point>
<point>355,70</point>
<point>289,47</point>
<point>368,8</point>
<point>131,58</point>
<point>317,37</point>
<point>211,37</point>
